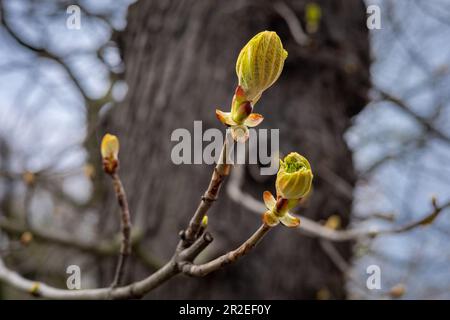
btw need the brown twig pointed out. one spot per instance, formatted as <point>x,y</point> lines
<point>135,290</point>
<point>125,223</point>
<point>316,230</point>
<point>294,25</point>
<point>230,257</point>
<point>221,170</point>
<point>426,123</point>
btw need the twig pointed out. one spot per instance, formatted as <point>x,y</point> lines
<point>104,248</point>
<point>125,222</point>
<point>293,23</point>
<point>230,257</point>
<point>427,124</point>
<point>316,230</point>
<point>135,290</point>
<point>221,170</point>
<point>341,264</point>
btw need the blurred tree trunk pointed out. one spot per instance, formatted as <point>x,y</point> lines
<point>180,58</point>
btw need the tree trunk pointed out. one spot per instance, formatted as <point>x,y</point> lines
<point>180,58</point>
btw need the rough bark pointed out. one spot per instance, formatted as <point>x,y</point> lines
<point>180,58</point>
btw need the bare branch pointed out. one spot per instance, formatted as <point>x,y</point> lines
<point>186,251</point>
<point>230,257</point>
<point>42,52</point>
<point>105,248</point>
<point>316,230</point>
<point>293,23</point>
<point>221,170</point>
<point>125,222</point>
<point>135,290</point>
<point>427,124</point>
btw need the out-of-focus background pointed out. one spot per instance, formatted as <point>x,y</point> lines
<point>369,108</point>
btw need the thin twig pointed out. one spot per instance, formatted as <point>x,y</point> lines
<point>313,229</point>
<point>201,270</point>
<point>135,290</point>
<point>221,170</point>
<point>293,23</point>
<point>125,222</point>
<point>105,248</point>
<point>426,123</point>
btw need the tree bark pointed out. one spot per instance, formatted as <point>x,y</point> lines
<point>180,58</point>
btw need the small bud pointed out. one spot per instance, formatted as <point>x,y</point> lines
<point>259,64</point>
<point>333,222</point>
<point>397,291</point>
<point>205,221</point>
<point>34,290</point>
<point>29,177</point>
<point>110,153</point>
<point>89,171</point>
<point>294,177</point>
<point>313,15</point>
<point>110,146</point>
<point>323,294</point>
<point>26,238</point>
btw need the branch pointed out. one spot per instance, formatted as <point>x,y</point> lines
<point>104,248</point>
<point>427,124</point>
<point>39,51</point>
<point>293,23</point>
<point>125,222</point>
<point>221,170</point>
<point>135,290</point>
<point>186,251</point>
<point>313,229</point>
<point>341,264</point>
<point>230,257</point>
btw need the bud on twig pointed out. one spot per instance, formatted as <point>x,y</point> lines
<point>294,178</point>
<point>397,291</point>
<point>258,66</point>
<point>110,153</point>
<point>26,238</point>
<point>205,222</point>
<point>29,178</point>
<point>293,182</point>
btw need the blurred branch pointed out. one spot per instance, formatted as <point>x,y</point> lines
<point>316,230</point>
<point>193,240</point>
<point>292,21</point>
<point>135,290</point>
<point>341,264</point>
<point>407,147</point>
<point>426,123</point>
<point>104,248</point>
<point>42,52</point>
<point>428,10</point>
